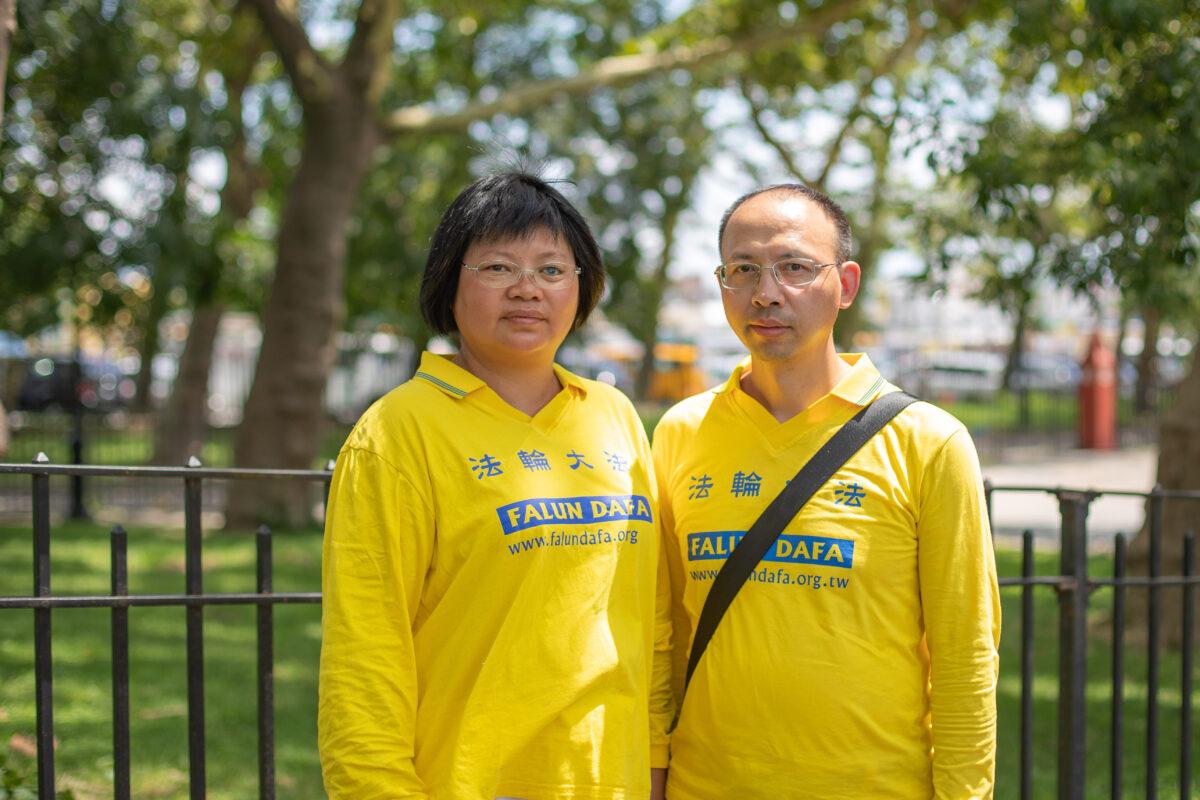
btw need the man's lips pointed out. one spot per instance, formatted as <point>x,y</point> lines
<point>769,327</point>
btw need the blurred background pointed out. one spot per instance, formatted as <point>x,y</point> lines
<point>215,214</point>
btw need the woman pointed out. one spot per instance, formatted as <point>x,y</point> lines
<point>491,622</point>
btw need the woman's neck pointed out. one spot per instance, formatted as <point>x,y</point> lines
<point>526,386</point>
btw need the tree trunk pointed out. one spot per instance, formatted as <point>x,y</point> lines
<point>1145,398</point>
<point>8,30</point>
<point>148,344</point>
<point>1178,460</point>
<point>646,330</point>
<point>420,344</point>
<point>1122,333</point>
<point>284,413</point>
<point>183,426</point>
<point>1016,346</point>
<point>850,320</point>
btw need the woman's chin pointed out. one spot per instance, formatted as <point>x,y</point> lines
<point>517,345</point>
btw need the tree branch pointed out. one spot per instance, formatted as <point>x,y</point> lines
<point>367,57</point>
<point>309,72</point>
<point>916,34</point>
<point>242,179</point>
<point>612,71</point>
<point>756,112</point>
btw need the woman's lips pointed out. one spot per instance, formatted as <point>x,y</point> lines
<point>524,318</point>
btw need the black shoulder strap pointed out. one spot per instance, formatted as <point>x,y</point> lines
<point>766,529</point>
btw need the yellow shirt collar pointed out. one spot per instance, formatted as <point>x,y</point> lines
<point>458,382</point>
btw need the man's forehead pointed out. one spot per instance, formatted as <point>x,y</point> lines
<point>779,217</point>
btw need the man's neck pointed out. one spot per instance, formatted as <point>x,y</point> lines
<point>786,388</point>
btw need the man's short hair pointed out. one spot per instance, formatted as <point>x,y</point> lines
<point>841,223</point>
<point>505,205</point>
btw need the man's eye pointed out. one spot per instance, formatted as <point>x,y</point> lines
<point>795,267</point>
<point>744,269</point>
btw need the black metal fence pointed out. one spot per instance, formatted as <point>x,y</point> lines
<point>119,438</point>
<point>1073,584</point>
<point>43,601</point>
<point>1074,587</point>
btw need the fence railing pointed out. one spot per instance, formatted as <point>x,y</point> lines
<point>1073,585</point>
<point>43,601</point>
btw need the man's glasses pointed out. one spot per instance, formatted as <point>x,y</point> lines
<point>788,272</point>
<point>500,274</point>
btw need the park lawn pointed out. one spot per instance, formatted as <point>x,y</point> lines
<point>158,678</point>
<point>80,556</point>
<point>1001,412</point>
<point>1099,682</point>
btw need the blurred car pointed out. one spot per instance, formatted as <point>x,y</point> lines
<point>50,383</point>
<point>1047,372</point>
<point>949,375</point>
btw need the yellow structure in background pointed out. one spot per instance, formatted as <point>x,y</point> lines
<point>677,372</point>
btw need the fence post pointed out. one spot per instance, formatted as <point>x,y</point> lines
<point>194,580</point>
<point>1189,639</point>
<point>1153,625</point>
<point>266,669</point>
<point>120,664</point>
<point>1072,637</point>
<point>42,660</point>
<point>78,509</point>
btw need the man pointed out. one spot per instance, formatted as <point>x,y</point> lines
<point>860,658</point>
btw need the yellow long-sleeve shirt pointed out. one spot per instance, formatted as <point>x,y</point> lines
<point>860,660</point>
<point>494,620</point>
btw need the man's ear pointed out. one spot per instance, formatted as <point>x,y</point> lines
<point>849,274</point>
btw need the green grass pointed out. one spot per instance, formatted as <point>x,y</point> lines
<point>1043,411</point>
<point>82,678</point>
<point>158,678</point>
<point>1099,704</point>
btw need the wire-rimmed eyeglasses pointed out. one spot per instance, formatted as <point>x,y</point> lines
<point>788,272</point>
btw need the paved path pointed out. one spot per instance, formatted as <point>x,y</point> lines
<point>1131,469</point>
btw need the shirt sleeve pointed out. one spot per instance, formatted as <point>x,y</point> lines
<point>379,535</point>
<point>960,601</point>
<point>671,563</point>
<point>662,702</point>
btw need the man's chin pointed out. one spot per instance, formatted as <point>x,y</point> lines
<point>771,351</point>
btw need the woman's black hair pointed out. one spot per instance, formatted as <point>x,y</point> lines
<point>506,205</point>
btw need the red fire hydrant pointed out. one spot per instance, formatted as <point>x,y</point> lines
<point>1098,398</point>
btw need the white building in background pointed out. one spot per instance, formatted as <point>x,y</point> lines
<point>365,368</point>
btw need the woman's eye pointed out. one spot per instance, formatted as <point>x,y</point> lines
<point>498,269</point>
<point>551,270</point>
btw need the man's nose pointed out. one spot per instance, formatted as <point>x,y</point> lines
<point>767,292</point>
